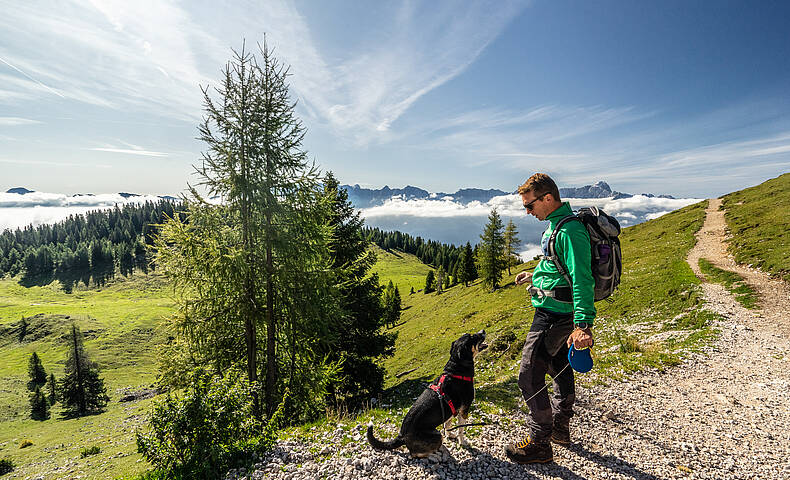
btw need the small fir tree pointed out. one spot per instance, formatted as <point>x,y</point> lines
<point>512,242</point>
<point>53,396</point>
<point>81,390</point>
<point>490,254</point>
<point>38,377</point>
<point>440,279</point>
<point>430,279</point>
<point>39,406</point>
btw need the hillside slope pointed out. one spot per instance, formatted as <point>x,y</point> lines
<point>758,221</point>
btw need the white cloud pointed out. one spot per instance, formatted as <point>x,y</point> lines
<point>37,208</point>
<point>14,121</point>
<point>131,151</point>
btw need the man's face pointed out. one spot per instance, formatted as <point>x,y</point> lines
<point>537,206</point>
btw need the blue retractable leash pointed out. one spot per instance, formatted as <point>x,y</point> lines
<point>580,360</point>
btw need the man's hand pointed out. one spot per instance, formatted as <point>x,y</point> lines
<point>581,338</point>
<point>523,278</point>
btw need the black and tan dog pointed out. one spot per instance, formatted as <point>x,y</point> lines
<point>448,396</point>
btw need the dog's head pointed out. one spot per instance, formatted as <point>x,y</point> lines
<point>466,348</point>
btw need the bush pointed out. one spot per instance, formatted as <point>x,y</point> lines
<point>25,443</point>
<point>86,452</point>
<point>208,430</point>
<point>6,466</point>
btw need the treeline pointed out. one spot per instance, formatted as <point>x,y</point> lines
<point>430,252</point>
<point>87,248</point>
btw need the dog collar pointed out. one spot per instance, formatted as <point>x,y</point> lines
<point>461,377</point>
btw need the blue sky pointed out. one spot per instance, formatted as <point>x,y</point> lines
<point>688,98</point>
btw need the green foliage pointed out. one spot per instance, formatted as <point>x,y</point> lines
<point>627,343</point>
<point>467,271</point>
<point>440,278</point>
<point>35,370</point>
<point>6,466</point>
<point>53,389</point>
<point>758,222</point>
<point>88,451</point>
<point>429,252</point>
<point>512,242</point>
<point>39,406</point>
<point>430,282</point>
<point>81,390</point>
<point>491,261</point>
<point>208,429</point>
<point>743,293</point>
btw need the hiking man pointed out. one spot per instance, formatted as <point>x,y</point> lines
<point>563,316</point>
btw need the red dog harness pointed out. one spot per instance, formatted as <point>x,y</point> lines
<point>440,391</point>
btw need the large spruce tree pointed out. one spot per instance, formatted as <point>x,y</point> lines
<point>81,390</point>
<point>491,258</point>
<point>356,332</point>
<point>255,269</point>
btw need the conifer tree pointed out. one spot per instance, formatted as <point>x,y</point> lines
<point>52,384</point>
<point>35,370</point>
<point>430,280</point>
<point>466,267</point>
<point>81,390</point>
<point>512,242</point>
<point>39,406</point>
<point>440,279</point>
<point>356,336</point>
<point>491,259</point>
<point>257,268</point>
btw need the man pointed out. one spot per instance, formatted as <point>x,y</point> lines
<point>564,315</point>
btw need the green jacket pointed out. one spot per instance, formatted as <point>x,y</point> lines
<point>573,248</point>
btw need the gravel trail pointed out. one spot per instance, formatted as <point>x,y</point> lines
<point>723,414</point>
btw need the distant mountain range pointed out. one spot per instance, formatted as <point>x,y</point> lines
<point>365,197</point>
<point>24,191</point>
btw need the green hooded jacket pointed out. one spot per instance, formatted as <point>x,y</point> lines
<point>573,248</point>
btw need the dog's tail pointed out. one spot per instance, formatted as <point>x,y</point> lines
<point>380,445</point>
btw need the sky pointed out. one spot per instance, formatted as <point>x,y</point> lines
<point>687,98</point>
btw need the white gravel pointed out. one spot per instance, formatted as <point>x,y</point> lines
<point>722,414</point>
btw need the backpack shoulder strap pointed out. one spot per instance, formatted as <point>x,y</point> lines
<point>553,251</point>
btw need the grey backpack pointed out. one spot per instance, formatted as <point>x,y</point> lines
<point>607,261</point>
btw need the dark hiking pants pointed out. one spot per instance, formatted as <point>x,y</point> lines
<point>545,351</point>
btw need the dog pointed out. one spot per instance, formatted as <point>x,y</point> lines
<point>448,396</point>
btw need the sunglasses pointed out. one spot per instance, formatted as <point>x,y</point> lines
<point>529,205</point>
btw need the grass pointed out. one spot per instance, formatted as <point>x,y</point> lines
<point>743,293</point>
<point>405,270</point>
<point>120,323</point>
<point>758,222</point>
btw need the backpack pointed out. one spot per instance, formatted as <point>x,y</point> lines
<point>607,262</point>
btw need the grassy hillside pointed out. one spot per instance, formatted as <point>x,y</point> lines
<point>758,221</point>
<point>655,317</point>
<point>120,327</point>
<point>405,270</point>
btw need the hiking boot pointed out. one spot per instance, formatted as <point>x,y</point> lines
<point>561,431</point>
<point>528,451</point>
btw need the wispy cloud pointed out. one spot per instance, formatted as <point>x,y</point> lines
<point>13,121</point>
<point>130,151</point>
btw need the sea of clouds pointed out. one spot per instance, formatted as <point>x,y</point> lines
<point>448,221</point>
<point>441,219</point>
<point>38,208</point>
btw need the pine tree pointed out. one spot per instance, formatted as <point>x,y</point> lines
<point>491,260</point>
<point>356,334</point>
<point>467,270</point>
<point>39,406</point>
<point>81,390</point>
<point>258,266</point>
<point>35,370</point>
<point>430,280</point>
<point>512,242</point>
<point>440,279</point>
<point>53,394</point>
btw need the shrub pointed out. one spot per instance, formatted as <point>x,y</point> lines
<point>25,443</point>
<point>6,466</point>
<point>86,452</point>
<point>208,430</point>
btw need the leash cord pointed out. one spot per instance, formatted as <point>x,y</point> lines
<point>444,424</point>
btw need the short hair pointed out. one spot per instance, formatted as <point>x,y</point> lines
<point>540,184</point>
